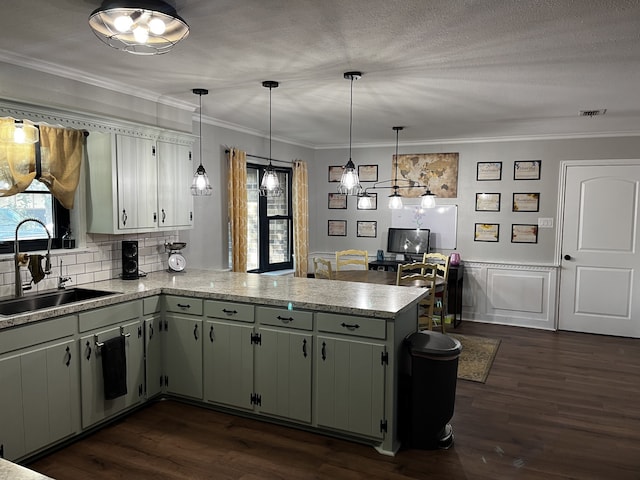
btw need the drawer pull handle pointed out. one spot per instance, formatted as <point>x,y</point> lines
<point>229,312</point>
<point>68,356</point>
<point>285,319</point>
<point>350,326</point>
<point>182,305</point>
<point>304,348</point>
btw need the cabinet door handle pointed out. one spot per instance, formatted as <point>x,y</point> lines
<point>195,331</point>
<point>88,350</point>
<point>211,334</point>
<point>124,217</point>
<point>164,215</point>
<point>304,348</point>
<point>155,217</point>
<point>350,326</point>
<point>68,356</point>
<point>324,351</point>
<point>285,319</point>
<point>150,331</point>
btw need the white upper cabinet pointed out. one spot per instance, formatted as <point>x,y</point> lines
<point>137,184</point>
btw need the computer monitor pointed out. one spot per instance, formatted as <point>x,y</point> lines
<point>412,242</point>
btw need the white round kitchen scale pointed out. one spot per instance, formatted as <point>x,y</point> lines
<point>176,262</point>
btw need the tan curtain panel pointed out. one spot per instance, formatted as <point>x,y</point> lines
<point>61,151</point>
<point>238,208</point>
<point>300,191</point>
<point>17,165</point>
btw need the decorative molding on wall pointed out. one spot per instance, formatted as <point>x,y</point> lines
<point>90,123</point>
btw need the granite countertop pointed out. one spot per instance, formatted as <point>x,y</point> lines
<point>16,472</point>
<point>364,299</point>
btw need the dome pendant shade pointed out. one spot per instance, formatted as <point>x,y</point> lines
<point>19,132</point>
<point>200,184</point>
<point>141,27</point>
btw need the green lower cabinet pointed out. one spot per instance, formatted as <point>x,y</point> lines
<point>94,406</point>
<point>283,373</point>
<point>350,386</point>
<point>153,356</point>
<point>182,354</point>
<point>11,424</point>
<point>228,363</point>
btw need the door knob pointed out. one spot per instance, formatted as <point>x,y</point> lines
<point>567,257</point>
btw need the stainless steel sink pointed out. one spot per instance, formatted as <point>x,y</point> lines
<point>49,299</point>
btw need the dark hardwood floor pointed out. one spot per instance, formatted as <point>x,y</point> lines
<point>556,405</point>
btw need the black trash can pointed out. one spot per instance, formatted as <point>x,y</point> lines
<point>428,389</point>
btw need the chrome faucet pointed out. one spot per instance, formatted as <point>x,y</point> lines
<point>47,268</point>
<point>62,280</point>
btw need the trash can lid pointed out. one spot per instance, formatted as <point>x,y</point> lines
<point>434,344</point>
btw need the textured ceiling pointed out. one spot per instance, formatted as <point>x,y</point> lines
<point>454,69</point>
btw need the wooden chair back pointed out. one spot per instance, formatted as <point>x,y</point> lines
<point>352,257</point>
<point>440,308</point>
<point>322,268</point>
<point>424,275</point>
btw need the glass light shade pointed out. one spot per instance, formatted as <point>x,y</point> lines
<point>200,184</point>
<point>270,185</point>
<point>19,132</point>
<point>141,27</point>
<point>349,181</point>
<point>395,201</point>
<point>428,200</point>
<point>364,201</point>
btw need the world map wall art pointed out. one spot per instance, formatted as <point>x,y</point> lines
<point>438,171</point>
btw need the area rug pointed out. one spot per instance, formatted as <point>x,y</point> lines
<point>477,356</point>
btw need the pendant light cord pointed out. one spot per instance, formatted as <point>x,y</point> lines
<point>200,95</point>
<point>270,88</point>
<point>350,117</point>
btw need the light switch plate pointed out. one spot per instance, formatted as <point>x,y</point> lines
<point>545,222</point>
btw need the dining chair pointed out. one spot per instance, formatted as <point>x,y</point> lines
<point>352,257</point>
<point>322,268</point>
<point>441,306</point>
<point>423,275</point>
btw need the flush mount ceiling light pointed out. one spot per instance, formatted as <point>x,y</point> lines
<point>270,185</point>
<point>395,199</point>
<point>200,185</point>
<point>141,27</point>
<point>19,132</point>
<point>349,182</point>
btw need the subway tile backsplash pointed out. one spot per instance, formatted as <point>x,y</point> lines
<point>100,259</point>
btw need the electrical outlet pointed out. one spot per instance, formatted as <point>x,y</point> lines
<point>545,222</point>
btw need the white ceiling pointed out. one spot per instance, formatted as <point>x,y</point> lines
<point>445,69</point>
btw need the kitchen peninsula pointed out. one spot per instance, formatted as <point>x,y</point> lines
<point>309,353</point>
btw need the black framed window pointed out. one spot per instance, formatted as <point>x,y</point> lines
<point>35,202</point>
<point>269,223</point>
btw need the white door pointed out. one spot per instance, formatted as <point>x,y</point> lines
<point>600,250</point>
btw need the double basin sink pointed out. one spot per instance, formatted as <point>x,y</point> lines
<point>39,301</point>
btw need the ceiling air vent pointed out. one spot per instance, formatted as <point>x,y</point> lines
<point>592,113</point>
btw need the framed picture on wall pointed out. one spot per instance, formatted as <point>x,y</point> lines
<point>335,173</point>
<point>486,232</point>
<point>373,198</point>
<point>367,229</point>
<point>487,202</point>
<point>368,173</point>
<point>337,201</point>
<point>521,233</point>
<point>489,171</point>
<point>526,202</point>
<point>527,170</point>
<point>337,228</point>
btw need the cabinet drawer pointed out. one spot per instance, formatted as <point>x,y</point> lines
<point>191,306</point>
<point>229,310</point>
<point>102,317</point>
<point>25,336</point>
<point>150,305</point>
<point>348,325</point>
<point>282,317</point>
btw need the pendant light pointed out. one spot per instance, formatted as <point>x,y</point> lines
<point>270,185</point>
<point>141,27</point>
<point>395,200</point>
<point>19,132</point>
<point>349,182</point>
<point>200,185</point>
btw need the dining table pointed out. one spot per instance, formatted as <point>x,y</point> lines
<point>379,277</point>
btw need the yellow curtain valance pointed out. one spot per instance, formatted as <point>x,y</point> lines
<point>60,154</point>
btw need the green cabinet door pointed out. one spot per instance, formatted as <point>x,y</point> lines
<point>350,382</point>
<point>183,355</point>
<point>283,373</point>
<point>228,363</point>
<point>153,356</point>
<point>11,425</point>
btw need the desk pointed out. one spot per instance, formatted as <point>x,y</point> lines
<point>455,284</point>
